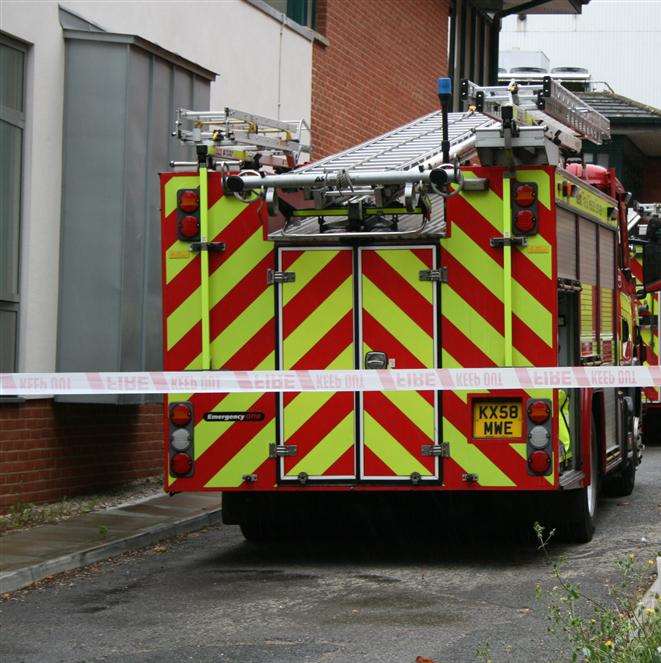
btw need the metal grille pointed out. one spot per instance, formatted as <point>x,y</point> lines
<point>405,147</point>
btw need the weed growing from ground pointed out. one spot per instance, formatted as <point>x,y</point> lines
<point>609,630</point>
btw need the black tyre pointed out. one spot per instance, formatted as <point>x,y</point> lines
<point>255,531</point>
<point>622,482</point>
<point>580,506</point>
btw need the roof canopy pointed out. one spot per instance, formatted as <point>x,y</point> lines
<point>506,7</point>
<point>640,123</point>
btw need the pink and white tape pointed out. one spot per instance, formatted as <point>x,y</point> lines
<point>442,379</point>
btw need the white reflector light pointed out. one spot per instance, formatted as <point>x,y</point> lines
<point>180,439</point>
<point>538,437</point>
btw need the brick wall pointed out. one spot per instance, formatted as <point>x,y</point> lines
<point>52,450</point>
<point>379,69</point>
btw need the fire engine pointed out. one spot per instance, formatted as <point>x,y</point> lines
<point>461,239</point>
<point>649,313</point>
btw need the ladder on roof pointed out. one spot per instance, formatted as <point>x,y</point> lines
<point>416,144</point>
<point>565,118</point>
<point>235,136</point>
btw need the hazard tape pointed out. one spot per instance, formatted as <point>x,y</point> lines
<point>442,379</point>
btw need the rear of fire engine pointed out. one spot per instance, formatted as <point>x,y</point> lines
<point>464,239</point>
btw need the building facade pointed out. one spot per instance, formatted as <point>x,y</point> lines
<point>618,42</point>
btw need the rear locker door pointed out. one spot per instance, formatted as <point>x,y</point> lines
<point>398,317</point>
<point>316,331</point>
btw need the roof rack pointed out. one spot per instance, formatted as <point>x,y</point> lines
<point>390,186</point>
<point>233,134</point>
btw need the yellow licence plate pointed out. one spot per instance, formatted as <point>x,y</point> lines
<point>497,419</point>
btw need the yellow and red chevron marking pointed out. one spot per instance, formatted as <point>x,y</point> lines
<point>398,319</point>
<point>317,330</point>
<point>242,333</point>
<point>650,336</point>
<point>472,320</point>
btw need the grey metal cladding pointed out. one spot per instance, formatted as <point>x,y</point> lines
<point>120,99</point>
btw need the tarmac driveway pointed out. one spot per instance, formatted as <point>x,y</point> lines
<point>211,596</point>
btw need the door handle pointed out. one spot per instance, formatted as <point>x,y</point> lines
<point>376,360</point>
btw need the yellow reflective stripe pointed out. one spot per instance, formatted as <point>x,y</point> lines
<point>207,432</point>
<point>306,403</point>
<point>476,260</point>
<point>383,309</point>
<point>238,332</point>
<point>407,264</point>
<point>473,325</point>
<point>319,322</point>
<point>448,361</point>
<point>471,459</point>
<point>306,267</point>
<point>540,253</point>
<point>183,319</point>
<point>301,408</point>
<point>249,254</point>
<point>390,451</point>
<point>487,203</point>
<point>174,262</point>
<point>414,406</point>
<point>223,212</point>
<point>519,360</point>
<point>246,461</point>
<point>532,313</point>
<point>328,450</point>
<point>520,448</point>
<point>543,181</point>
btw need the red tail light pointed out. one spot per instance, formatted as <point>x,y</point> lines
<point>180,414</point>
<point>189,201</point>
<point>524,196</point>
<point>539,462</point>
<point>539,412</point>
<point>524,221</point>
<point>189,227</point>
<point>181,464</point>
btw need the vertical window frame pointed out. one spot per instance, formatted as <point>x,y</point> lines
<point>10,301</point>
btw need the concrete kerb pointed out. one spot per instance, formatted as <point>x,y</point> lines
<point>651,600</point>
<point>20,578</point>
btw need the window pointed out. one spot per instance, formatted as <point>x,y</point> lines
<point>12,122</point>
<point>301,11</point>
